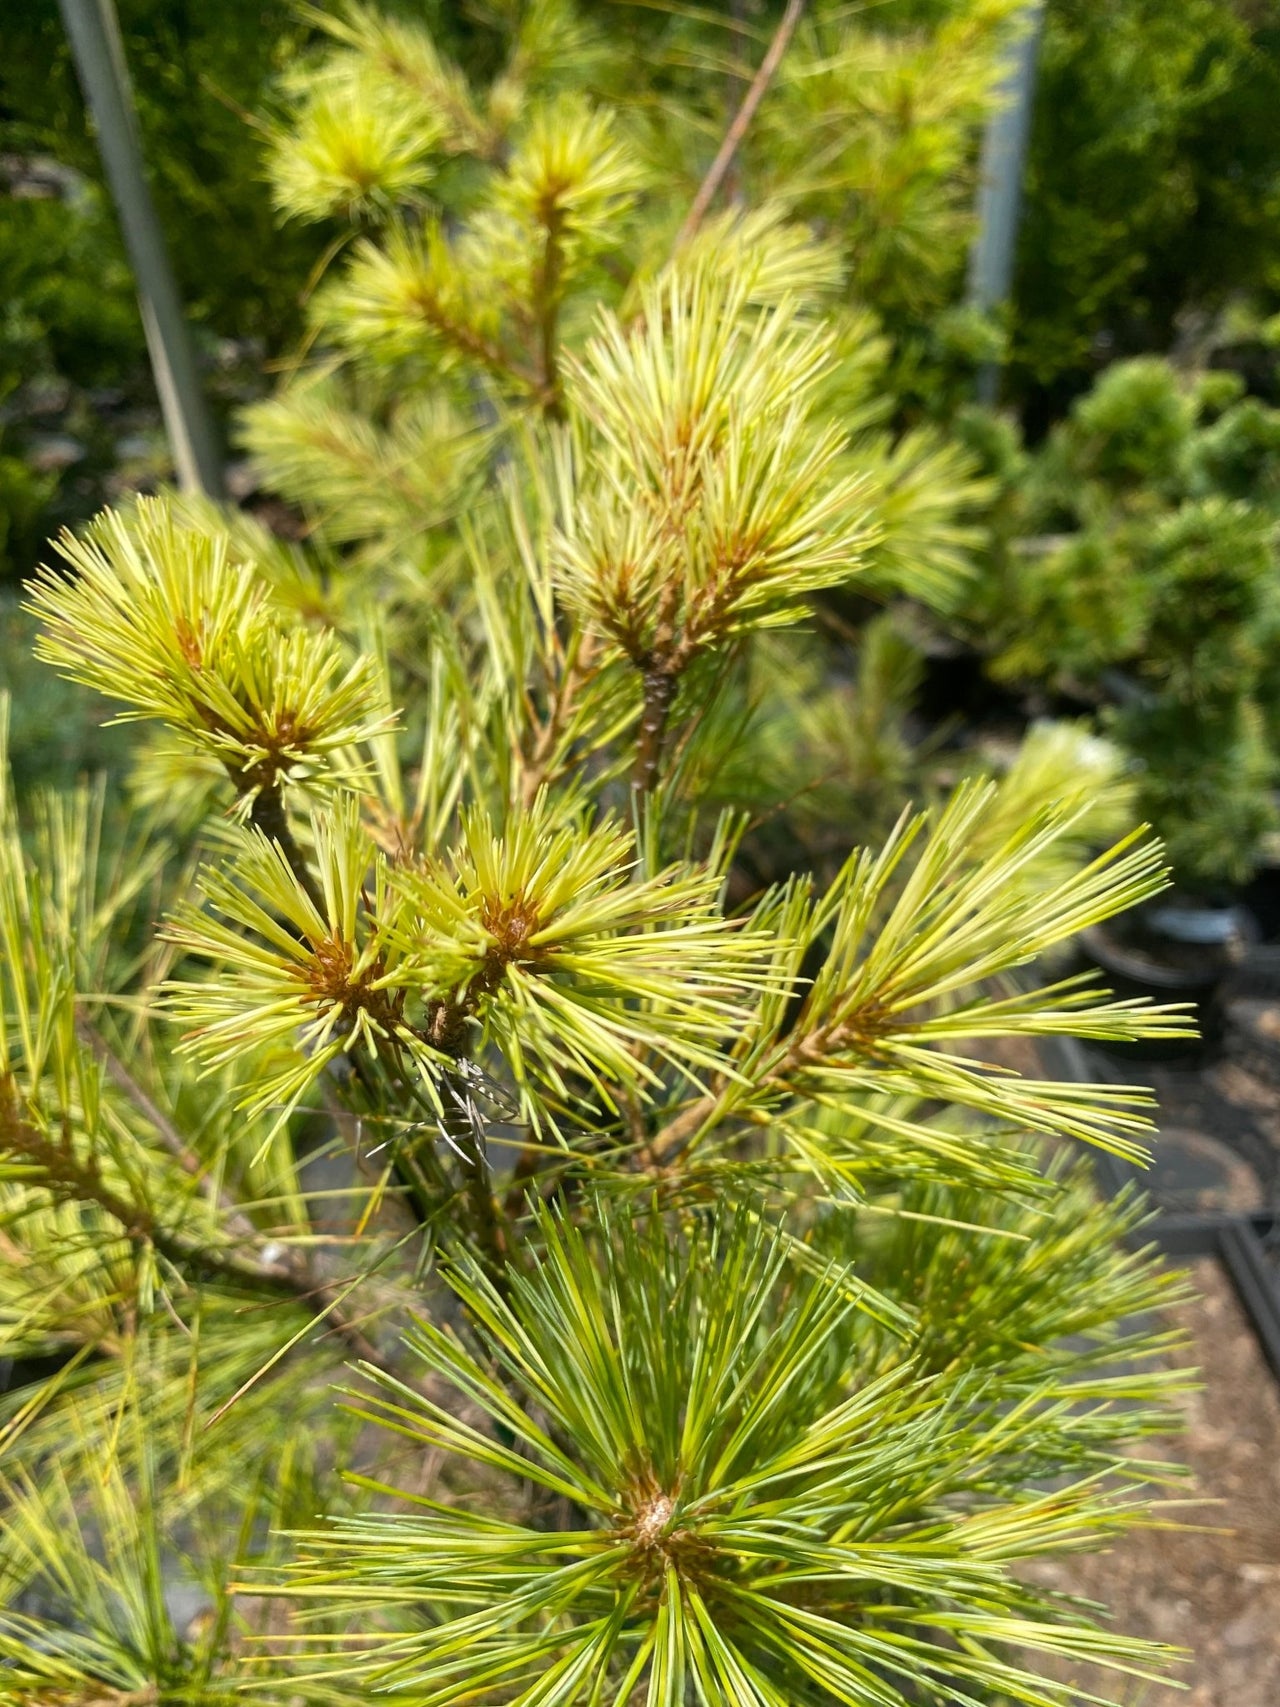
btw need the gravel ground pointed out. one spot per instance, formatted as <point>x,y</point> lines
<point>1217,1593</point>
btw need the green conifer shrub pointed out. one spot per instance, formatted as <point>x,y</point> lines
<point>1149,200</point>
<point>717,1314</point>
<point>1149,580</point>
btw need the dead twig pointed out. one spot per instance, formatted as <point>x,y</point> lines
<point>710,186</point>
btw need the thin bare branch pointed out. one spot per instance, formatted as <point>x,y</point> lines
<point>710,186</point>
<point>72,1177</point>
<point>165,1130</point>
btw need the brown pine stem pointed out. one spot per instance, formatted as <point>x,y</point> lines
<point>659,679</point>
<point>477,1178</point>
<point>73,1178</point>
<point>734,79</point>
<point>857,1033</point>
<point>449,1029</point>
<point>268,815</point>
<point>548,294</point>
<point>484,351</point>
<point>488,354</point>
<point>578,669</point>
<point>233,1216</point>
<point>715,177</point>
<point>674,1137</point>
<point>521,1175</point>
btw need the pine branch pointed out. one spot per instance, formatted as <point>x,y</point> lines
<point>522,1175</point>
<point>73,1178</point>
<point>465,1135</point>
<point>165,1130</point>
<point>448,1030</point>
<point>741,122</point>
<point>660,670</point>
<point>548,294</point>
<point>482,350</point>
<point>660,682</point>
<point>675,1136</point>
<point>536,768</point>
<point>268,815</point>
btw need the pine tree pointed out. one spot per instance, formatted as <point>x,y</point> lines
<point>720,1317</point>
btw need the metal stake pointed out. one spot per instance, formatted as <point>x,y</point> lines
<point>1004,153</point>
<point>94,34</point>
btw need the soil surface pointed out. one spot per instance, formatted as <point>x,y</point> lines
<point>1215,1588</point>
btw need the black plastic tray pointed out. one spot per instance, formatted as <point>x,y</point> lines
<point>1237,1241</point>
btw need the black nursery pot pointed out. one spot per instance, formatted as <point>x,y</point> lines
<point>1262,897</point>
<point>955,686</point>
<point>1181,948</point>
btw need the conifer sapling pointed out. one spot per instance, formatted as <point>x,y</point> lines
<point>720,1317</point>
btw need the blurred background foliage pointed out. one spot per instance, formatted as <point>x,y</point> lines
<point>1125,547</point>
<point>1152,196</point>
<point>1133,570</point>
<point>75,388</point>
